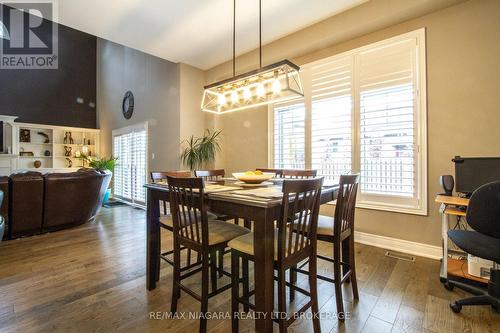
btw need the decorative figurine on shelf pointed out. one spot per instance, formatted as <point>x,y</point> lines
<point>88,142</point>
<point>67,151</point>
<point>45,135</point>
<point>37,164</point>
<point>66,138</point>
<point>47,153</point>
<point>24,135</point>
<point>70,162</point>
<point>71,141</point>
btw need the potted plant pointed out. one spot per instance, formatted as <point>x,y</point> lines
<point>102,165</point>
<point>198,152</point>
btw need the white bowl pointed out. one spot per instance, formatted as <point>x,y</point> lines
<point>253,179</point>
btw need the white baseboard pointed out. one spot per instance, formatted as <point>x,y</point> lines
<point>400,245</point>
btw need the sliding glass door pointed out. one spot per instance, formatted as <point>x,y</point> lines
<point>130,147</point>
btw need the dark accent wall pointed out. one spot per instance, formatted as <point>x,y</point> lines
<point>49,96</point>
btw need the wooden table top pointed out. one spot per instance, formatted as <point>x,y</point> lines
<point>240,197</point>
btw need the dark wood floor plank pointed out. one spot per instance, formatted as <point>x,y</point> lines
<point>92,279</point>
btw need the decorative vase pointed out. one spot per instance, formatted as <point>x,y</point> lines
<point>106,196</point>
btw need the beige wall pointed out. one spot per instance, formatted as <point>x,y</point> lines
<point>192,121</point>
<point>463,81</point>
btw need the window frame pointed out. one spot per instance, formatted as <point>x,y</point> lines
<point>143,126</point>
<point>373,201</point>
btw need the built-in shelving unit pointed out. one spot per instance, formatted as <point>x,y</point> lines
<point>31,150</point>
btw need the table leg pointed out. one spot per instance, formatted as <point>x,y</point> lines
<point>444,232</point>
<point>152,241</point>
<point>263,272</point>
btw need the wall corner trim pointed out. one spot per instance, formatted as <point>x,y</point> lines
<point>400,245</point>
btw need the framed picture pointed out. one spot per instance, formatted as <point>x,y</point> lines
<point>26,153</point>
<point>24,135</point>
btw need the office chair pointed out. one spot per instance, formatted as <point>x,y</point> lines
<point>483,215</point>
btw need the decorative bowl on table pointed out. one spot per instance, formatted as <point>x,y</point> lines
<point>253,177</point>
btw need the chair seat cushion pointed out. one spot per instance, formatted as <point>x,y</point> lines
<point>245,243</point>
<point>221,232</point>
<point>477,244</point>
<point>167,219</point>
<point>325,225</point>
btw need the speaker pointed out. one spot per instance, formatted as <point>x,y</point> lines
<point>447,183</point>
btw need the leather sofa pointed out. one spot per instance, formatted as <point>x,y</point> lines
<point>26,204</point>
<point>41,203</point>
<point>72,199</point>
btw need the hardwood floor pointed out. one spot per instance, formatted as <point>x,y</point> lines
<point>92,278</point>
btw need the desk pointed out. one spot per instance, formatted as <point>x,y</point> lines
<point>262,213</point>
<point>450,206</point>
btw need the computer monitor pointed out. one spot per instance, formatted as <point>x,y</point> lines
<point>472,172</point>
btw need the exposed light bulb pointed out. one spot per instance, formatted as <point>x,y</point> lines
<point>246,93</point>
<point>276,86</point>
<point>234,97</point>
<point>261,91</point>
<point>221,99</point>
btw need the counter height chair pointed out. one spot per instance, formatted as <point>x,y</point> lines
<point>211,175</point>
<point>299,174</point>
<point>301,198</point>
<point>193,230</point>
<point>216,176</point>
<point>165,218</point>
<point>277,172</point>
<point>339,231</point>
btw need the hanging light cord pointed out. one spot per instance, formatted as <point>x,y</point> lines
<point>260,33</point>
<point>234,38</point>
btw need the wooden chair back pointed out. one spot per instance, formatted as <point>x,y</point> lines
<point>278,172</point>
<point>301,201</point>
<point>345,206</point>
<point>189,213</point>
<point>162,175</point>
<point>210,175</point>
<point>299,174</point>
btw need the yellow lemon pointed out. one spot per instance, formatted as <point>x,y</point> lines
<point>258,172</point>
<point>249,173</point>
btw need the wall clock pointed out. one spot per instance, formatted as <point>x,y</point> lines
<point>128,105</point>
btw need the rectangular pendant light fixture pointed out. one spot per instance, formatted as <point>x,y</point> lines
<point>270,84</point>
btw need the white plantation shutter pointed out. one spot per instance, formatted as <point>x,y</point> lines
<point>387,78</point>
<point>331,117</point>
<point>365,111</point>
<point>139,177</point>
<point>289,138</point>
<point>130,174</point>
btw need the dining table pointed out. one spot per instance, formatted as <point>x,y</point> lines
<point>228,198</point>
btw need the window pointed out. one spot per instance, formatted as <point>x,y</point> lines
<point>290,136</point>
<point>364,111</point>
<point>331,118</point>
<point>130,174</point>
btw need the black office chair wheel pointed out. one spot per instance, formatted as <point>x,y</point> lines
<point>455,307</point>
<point>448,286</point>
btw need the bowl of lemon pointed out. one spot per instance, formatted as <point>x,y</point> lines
<point>253,177</point>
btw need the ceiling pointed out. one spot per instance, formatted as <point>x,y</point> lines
<point>195,32</point>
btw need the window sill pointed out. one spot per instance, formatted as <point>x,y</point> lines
<point>422,211</point>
